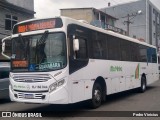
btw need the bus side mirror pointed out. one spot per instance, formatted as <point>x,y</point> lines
<point>75,44</point>
<point>4,45</point>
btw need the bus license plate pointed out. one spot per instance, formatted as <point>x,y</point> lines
<point>28,96</point>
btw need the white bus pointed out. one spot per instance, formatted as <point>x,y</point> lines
<point>61,61</point>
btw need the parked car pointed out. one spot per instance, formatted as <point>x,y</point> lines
<point>4,79</point>
<point>4,69</point>
<point>5,51</point>
<point>4,88</point>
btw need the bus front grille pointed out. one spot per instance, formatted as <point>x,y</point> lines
<point>31,77</point>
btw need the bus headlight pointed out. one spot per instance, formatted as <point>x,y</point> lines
<point>54,86</point>
<point>61,82</point>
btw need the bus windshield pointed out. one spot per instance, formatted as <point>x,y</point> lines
<point>42,52</point>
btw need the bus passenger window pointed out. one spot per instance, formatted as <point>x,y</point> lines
<point>82,53</point>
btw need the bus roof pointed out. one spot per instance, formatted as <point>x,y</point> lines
<point>84,24</point>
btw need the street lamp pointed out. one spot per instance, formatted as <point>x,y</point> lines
<point>129,19</point>
<point>139,12</point>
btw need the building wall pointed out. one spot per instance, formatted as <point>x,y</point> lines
<point>27,4</point>
<point>143,25</point>
<point>79,14</point>
<point>154,23</point>
<point>3,13</point>
<point>21,15</point>
<point>138,26</point>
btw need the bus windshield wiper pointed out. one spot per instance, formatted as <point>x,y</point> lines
<point>43,38</point>
<point>39,43</point>
<point>21,41</point>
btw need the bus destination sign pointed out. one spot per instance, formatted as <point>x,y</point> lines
<point>20,64</point>
<point>38,25</point>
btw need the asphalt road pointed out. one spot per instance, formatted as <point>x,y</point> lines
<point>126,101</point>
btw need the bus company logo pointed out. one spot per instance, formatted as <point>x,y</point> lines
<point>19,87</point>
<point>6,114</point>
<point>115,69</point>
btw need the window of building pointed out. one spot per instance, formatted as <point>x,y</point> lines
<point>10,21</point>
<point>154,23</point>
<point>154,34</point>
<point>134,36</point>
<point>153,10</point>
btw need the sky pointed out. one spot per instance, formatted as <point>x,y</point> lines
<point>51,8</point>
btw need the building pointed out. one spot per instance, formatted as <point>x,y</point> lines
<point>11,12</point>
<point>144,26</point>
<point>93,16</point>
<point>88,14</point>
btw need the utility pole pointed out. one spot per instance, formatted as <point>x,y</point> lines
<point>128,23</point>
<point>129,19</point>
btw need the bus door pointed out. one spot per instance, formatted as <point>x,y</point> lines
<point>151,61</point>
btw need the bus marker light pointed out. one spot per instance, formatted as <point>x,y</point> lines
<point>75,82</point>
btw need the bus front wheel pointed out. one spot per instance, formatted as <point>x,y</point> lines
<point>96,96</point>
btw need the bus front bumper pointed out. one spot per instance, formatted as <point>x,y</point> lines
<point>59,96</point>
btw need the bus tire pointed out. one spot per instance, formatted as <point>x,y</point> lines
<point>143,86</point>
<point>96,96</point>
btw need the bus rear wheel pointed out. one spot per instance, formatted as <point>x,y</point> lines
<point>96,96</point>
<point>143,85</point>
